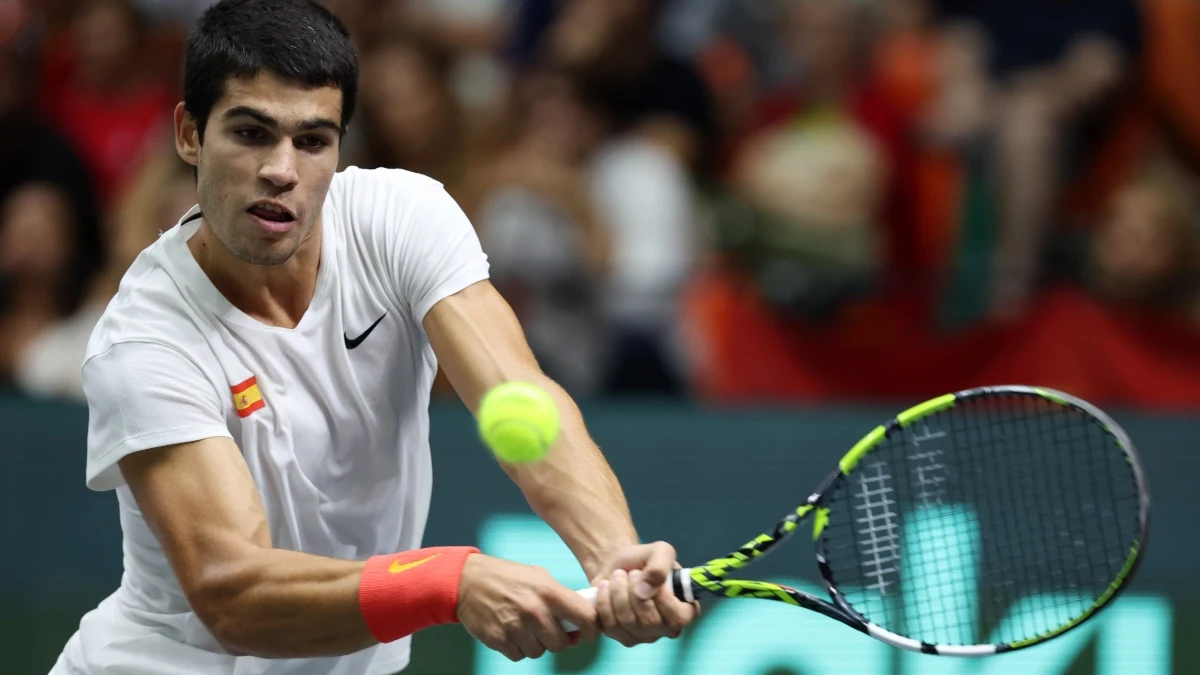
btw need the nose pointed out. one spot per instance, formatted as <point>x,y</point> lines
<point>279,169</point>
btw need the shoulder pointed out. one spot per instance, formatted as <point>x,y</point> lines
<point>386,210</point>
<point>355,191</point>
<point>148,308</point>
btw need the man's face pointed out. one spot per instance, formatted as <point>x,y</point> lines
<point>270,151</point>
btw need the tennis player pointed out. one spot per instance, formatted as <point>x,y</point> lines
<point>258,395</point>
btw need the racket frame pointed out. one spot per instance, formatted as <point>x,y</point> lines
<point>710,579</point>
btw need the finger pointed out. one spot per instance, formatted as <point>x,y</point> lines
<point>528,644</point>
<point>660,562</point>
<point>622,602</point>
<point>604,608</point>
<point>656,560</point>
<point>608,617</point>
<point>675,613</point>
<point>510,650</point>
<point>547,630</point>
<point>605,614</point>
<point>565,603</point>
<point>646,610</point>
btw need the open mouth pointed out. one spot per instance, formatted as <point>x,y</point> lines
<point>271,213</point>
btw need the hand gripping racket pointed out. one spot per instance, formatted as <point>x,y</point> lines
<point>975,523</point>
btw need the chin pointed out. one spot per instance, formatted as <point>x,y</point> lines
<point>277,253</point>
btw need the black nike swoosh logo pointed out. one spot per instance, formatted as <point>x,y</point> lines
<point>352,343</point>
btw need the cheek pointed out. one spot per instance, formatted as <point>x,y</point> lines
<point>221,177</point>
<point>316,182</point>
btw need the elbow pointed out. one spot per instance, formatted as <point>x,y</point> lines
<point>231,637</point>
<point>219,601</point>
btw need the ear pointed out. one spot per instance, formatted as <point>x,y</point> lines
<point>187,135</point>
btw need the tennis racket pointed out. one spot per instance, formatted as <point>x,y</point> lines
<point>975,523</point>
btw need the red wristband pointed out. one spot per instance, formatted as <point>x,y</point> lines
<point>406,592</point>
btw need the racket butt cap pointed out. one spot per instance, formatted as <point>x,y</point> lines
<point>681,582</point>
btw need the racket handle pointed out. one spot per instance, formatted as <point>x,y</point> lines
<point>588,594</point>
<point>681,584</point>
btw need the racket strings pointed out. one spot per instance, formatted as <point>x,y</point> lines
<point>994,521</point>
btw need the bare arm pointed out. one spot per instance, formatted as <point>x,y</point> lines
<point>479,344</point>
<point>201,503</point>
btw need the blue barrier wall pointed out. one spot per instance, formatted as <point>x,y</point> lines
<point>703,479</point>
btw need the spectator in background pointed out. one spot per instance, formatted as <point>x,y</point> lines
<point>646,202</point>
<point>659,133</point>
<point>538,221</point>
<point>102,93</point>
<point>463,26</point>
<point>467,34</point>
<point>410,118</point>
<point>813,174</point>
<point>50,242</point>
<point>1146,251</point>
<point>33,151</point>
<point>50,361</point>
<point>39,241</point>
<point>1031,86</point>
<point>613,43</point>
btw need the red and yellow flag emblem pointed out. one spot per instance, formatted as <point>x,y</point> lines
<point>247,398</point>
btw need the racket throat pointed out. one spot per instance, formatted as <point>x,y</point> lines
<point>825,490</point>
<point>681,582</point>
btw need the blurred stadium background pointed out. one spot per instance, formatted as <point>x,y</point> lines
<point>741,232</point>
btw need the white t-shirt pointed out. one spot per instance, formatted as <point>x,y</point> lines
<point>339,447</point>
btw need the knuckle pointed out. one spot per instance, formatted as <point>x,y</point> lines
<point>530,606</point>
<point>544,588</point>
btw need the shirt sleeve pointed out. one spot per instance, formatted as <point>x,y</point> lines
<point>435,252</point>
<point>143,395</point>
<point>415,236</point>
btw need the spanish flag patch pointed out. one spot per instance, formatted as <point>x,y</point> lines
<point>247,398</point>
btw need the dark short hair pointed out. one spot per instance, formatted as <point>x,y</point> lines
<point>298,40</point>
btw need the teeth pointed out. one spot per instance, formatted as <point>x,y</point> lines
<point>269,207</point>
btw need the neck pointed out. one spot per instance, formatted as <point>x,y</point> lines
<point>276,295</point>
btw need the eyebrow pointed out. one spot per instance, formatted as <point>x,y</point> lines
<point>268,121</point>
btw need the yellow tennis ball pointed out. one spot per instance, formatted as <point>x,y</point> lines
<point>518,421</point>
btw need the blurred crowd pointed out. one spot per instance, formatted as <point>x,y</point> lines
<point>726,199</point>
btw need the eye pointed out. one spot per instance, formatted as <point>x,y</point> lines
<point>251,134</point>
<point>311,142</point>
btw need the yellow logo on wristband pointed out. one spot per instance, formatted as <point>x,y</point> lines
<point>397,567</point>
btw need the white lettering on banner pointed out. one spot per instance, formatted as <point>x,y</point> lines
<point>751,637</point>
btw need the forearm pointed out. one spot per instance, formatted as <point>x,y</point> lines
<point>480,345</point>
<point>276,603</point>
<point>575,490</point>
<point>201,503</point>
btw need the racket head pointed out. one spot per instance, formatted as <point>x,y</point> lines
<point>983,521</point>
